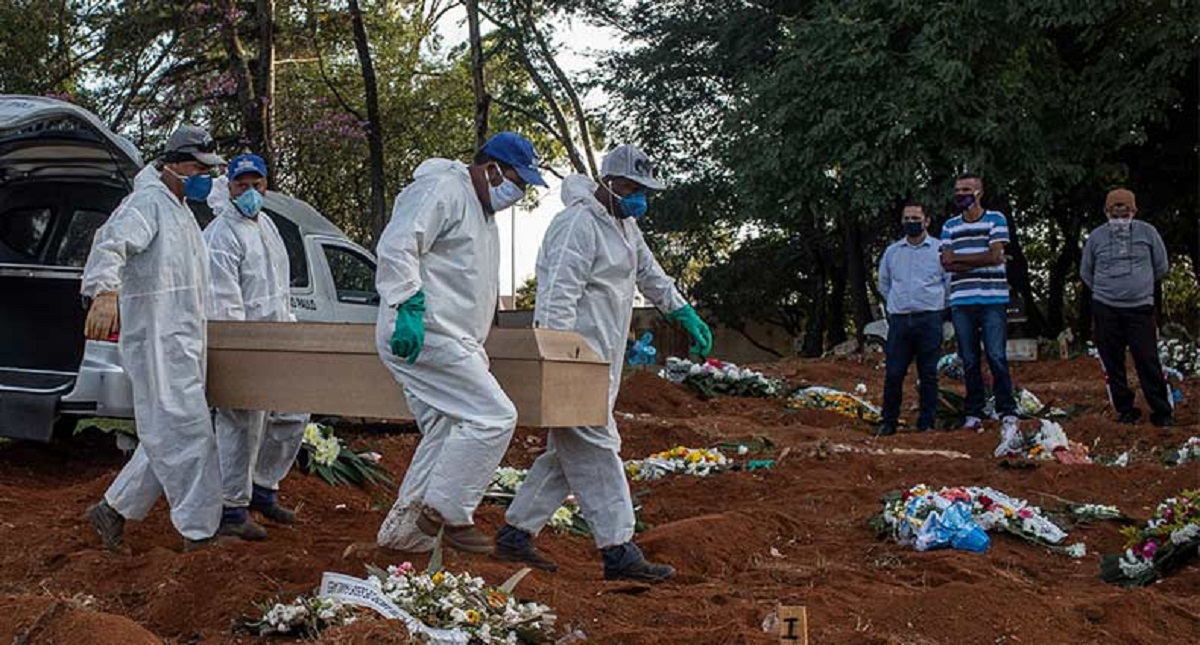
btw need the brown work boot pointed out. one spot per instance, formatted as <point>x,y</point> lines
<point>463,538</point>
<point>109,524</point>
<point>247,530</point>
<point>190,545</point>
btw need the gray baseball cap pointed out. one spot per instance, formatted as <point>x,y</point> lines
<point>196,142</point>
<point>633,164</point>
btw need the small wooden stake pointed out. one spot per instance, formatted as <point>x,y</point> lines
<point>793,625</point>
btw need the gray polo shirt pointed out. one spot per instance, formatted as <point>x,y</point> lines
<point>1121,270</point>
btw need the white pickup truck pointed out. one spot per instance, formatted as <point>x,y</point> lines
<point>62,172</point>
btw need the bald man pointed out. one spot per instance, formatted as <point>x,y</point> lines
<point>1122,261</point>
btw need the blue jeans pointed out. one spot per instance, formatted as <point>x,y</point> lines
<point>986,324</point>
<point>912,336</point>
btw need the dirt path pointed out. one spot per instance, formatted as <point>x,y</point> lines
<point>742,542</point>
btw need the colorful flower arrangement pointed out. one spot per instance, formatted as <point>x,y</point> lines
<point>323,454</point>
<point>843,403</point>
<point>1187,453</point>
<point>1050,442</point>
<point>698,462</point>
<point>1168,540</point>
<point>456,607</point>
<point>905,514</point>
<point>714,378</point>
<point>507,481</point>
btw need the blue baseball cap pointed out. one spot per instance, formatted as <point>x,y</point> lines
<point>516,151</point>
<point>243,164</point>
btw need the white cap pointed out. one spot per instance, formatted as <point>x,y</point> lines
<point>633,164</point>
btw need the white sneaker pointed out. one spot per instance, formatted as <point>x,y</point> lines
<point>973,423</point>
<point>1011,440</point>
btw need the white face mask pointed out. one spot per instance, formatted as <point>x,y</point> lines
<point>1120,224</point>
<point>504,195</point>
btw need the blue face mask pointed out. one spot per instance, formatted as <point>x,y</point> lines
<point>249,203</point>
<point>197,187</point>
<point>634,205</point>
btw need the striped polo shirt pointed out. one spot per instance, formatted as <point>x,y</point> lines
<point>981,285</point>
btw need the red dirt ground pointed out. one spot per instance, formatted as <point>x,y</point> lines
<point>742,542</point>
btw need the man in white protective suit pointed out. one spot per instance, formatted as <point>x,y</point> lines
<point>592,262</point>
<point>147,279</point>
<point>249,280</point>
<point>439,281</point>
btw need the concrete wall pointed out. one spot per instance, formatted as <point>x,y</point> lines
<point>671,340</point>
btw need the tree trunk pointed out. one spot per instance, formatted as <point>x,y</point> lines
<point>835,323</point>
<point>857,277</point>
<point>265,92</point>
<point>481,96</point>
<point>585,135</point>
<point>814,330</point>
<point>374,124</point>
<point>1018,277</point>
<point>1062,270</point>
<point>249,107</point>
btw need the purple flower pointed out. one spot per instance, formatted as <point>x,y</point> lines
<point>1149,549</point>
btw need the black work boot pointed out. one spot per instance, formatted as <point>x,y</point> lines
<point>515,545</point>
<point>626,562</point>
<point>109,524</point>
<point>264,501</point>
<point>1130,416</point>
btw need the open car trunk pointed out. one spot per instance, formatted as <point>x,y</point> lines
<point>61,174</point>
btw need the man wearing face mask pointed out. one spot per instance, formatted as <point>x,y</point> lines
<point>249,280</point>
<point>592,262</point>
<point>913,283</point>
<point>439,280</point>
<point>1121,262</point>
<point>147,278</point>
<point>973,253</point>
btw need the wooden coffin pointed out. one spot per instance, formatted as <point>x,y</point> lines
<point>553,377</point>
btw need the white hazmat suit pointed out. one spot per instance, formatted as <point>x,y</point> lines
<point>249,280</point>
<point>441,241</point>
<point>589,269</point>
<point>151,252</point>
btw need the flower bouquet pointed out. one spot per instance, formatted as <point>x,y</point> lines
<point>1166,542</point>
<point>507,481</point>
<point>1050,442</point>
<point>905,514</point>
<point>305,617</point>
<point>435,606</point>
<point>698,462</point>
<point>1180,355</point>
<point>844,403</point>
<point>1187,453</point>
<point>323,454</point>
<point>714,378</point>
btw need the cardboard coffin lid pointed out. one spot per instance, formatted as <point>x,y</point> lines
<point>554,378</point>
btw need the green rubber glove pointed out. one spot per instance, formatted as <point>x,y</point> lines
<point>409,334</point>
<point>700,333</point>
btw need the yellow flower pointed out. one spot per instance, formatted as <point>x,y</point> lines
<point>473,616</point>
<point>1008,512</point>
<point>438,578</point>
<point>695,457</point>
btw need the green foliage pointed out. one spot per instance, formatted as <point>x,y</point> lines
<point>1181,295</point>
<point>527,293</point>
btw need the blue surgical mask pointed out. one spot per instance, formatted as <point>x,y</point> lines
<point>249,203</point>
<point>197,187</point>
<point>913,229</point>
<point>634,205</point>
<point>964,202</point>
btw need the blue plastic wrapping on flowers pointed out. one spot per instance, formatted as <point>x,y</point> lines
<point>954,528</point>
<point>642,352</point>
<point>951,366</point>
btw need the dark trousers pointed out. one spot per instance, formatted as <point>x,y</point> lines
<point>1115,329</point>
<point>985,325</point>
<point>912,336</point>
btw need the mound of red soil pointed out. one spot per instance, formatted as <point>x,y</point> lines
<point>38,619</point>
